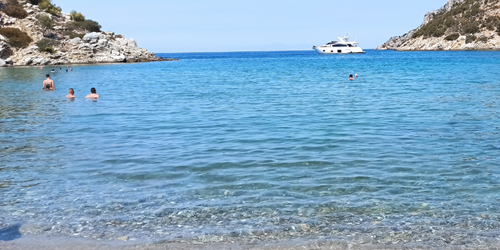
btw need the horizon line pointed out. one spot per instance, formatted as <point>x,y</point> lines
<point>235,51</point>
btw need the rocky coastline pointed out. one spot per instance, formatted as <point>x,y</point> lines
<point>89,48</point>
<point>453,36</point>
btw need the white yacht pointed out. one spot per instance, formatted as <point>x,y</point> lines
<point>342,46</point>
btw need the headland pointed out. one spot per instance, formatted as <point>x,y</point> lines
<point>37,32</point>
<point>458,25</point>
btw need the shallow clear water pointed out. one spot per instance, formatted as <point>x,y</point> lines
<point>255,144</point>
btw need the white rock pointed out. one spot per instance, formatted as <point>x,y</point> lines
<point>75,41</point>
<point>86,48</point>
<point>32,50</point>
<point>132,43</point>
<point>124,238</point>
<point>92,37</point>
<point>121,41</point>
<point>2,38</point>
<point>103,43</point>
<point>2,63</point>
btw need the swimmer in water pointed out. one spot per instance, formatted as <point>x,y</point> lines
<point>93,94</point>
<point>53,70</point>
<point>71,94</point>
<point>356,75</point>
<point>351,78</point>
<point>48,84</point>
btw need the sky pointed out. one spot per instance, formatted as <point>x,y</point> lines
<point>166,26</point>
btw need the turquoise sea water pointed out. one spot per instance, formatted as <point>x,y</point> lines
<point>257,145</point>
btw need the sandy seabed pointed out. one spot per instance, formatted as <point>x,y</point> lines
<point>63,243</point>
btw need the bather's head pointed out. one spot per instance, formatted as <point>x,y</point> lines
<point>93,91</point>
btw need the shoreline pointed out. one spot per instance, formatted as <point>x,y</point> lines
<point>87,64</point>
<point>354,243</point>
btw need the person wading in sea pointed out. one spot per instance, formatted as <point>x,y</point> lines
<point>48,84</point>
<point>71,94</point>
<point>93,94</point>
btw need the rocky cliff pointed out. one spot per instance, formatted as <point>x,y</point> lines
<point>459,25</point>
<point>84,48</point>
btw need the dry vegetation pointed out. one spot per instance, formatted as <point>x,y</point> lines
<point>465,18</point>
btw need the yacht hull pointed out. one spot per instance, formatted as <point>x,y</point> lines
<point>338,50</point>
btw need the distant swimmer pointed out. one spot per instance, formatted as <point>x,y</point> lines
<point>53,70</point>
<point>356,75</point>
<point>48,84</point>
<point>93,94</point>
<point>351,78</point>
<point>71,94</point>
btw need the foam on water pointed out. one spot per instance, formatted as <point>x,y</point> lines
<point>256,145</point>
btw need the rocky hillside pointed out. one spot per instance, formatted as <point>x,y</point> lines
<point>459,25</point>
<point>36,32</point>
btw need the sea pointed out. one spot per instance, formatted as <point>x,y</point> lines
<point>257,146</point>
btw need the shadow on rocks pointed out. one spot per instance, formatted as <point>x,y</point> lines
<point>52,36</point>
<point>10,233</point>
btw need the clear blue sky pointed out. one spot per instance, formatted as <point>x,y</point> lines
<point>247,25</point>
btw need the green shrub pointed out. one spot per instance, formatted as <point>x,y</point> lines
<point>92,26</point>
<point>47,6</point>
<point>450,22</point>
<point>16,11</point>
<point>475,10</point>
<point>77,16</point>
<point>88,25</point>
<point>45,22</point>
<point>34,2</point>
<point>493,19</point>
<point>470,39</point>
<point>73,34</point>
<point>47,45</point>
<point>15,37</point>
<point>469,13</point>
<point>452,37</point>
<point>430,31</point>
<point>483,39</point>
<point>470,28</point>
